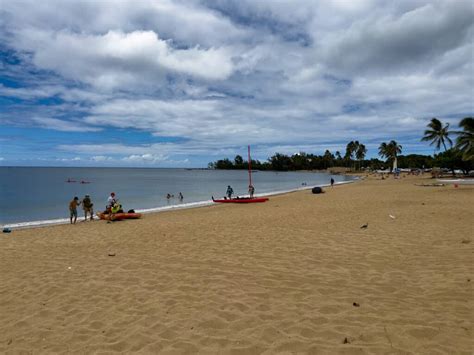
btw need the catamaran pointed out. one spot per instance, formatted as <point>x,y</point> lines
<point>244,199</point>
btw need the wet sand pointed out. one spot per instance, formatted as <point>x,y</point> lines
<point>297,274</point>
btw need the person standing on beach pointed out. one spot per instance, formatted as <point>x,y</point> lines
<point>332,182</point>
<point>251,190</point>
<point>229,192</point>
<point>87,207</point>
<point>73,209</point>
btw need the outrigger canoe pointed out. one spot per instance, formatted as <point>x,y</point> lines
<point>119,216</point>
<point>242,200</point>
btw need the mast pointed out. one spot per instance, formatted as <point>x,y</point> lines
<point>250,167</point>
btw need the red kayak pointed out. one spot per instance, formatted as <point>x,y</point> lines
<point>119,216</point>
<point>242,200</point>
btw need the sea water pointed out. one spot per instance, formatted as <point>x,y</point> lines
<point>42,195</point>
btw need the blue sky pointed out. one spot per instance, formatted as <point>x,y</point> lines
<point>182,83</point>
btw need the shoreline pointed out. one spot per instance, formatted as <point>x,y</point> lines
<point>190,205</point>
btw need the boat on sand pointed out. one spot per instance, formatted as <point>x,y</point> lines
<point>243,199</point>
<point>118,216</point>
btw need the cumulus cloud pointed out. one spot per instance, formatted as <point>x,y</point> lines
<point>148,158</point>
<point>392,42</point>
<point>214,76</point>
<point>186,22</point>
<point>119,59</point>
<point>75,159</point>
<point>100,158</point>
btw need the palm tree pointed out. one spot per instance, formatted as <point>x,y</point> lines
<point>383,150</point>
<point>360,153</point>
<point>351,148</point>
<point>394,149</point>
<point>465,139</point>
<point>437,134</point>
<point>390,150</point>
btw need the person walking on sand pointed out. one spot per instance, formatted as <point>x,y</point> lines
<point>251,190</point>
<point>73,209</point>
<point>229,192</point>
<point>332,182</point>
<point>87,207</point>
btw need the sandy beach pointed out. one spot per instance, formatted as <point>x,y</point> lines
<point>297,274</point>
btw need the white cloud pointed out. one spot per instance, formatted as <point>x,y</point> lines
<point>99,158</point>
<point>62,125</point>
<point>218,75</point>
<point>30,93</point>
<point>117,59</point>
<point>392,42</point>
<point>75,159</point>
<point>145,158</point>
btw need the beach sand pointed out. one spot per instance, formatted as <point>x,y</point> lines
<point>294,275</point>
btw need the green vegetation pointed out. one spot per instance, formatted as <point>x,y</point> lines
<point>437,134</point>
<point>465,140</point>
<point>390,151</point>
<point>461,156</point>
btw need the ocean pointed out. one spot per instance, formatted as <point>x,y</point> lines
<point>38,195</point>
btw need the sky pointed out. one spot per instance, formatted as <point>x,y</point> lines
<point>164,83</point>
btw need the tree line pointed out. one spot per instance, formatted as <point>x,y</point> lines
<point>458,155</point>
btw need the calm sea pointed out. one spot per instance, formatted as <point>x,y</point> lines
<point>40,194</point>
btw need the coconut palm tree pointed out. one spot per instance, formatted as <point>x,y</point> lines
<point>437,134</point>
<point>351,148</point>
<point>394,149</point>
<point>360,153</point>
<point>383,151</point>
<point>465,139</point>
<point>390,150</point>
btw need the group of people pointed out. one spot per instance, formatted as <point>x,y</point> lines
<point>180,196</point>
<point>230,191</point>
<point>87,206</point>
<point>113,206</point>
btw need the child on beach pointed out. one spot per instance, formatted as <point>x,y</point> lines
<point>73,209</point>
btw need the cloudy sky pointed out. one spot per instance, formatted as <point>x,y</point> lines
<point>181,83</point>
